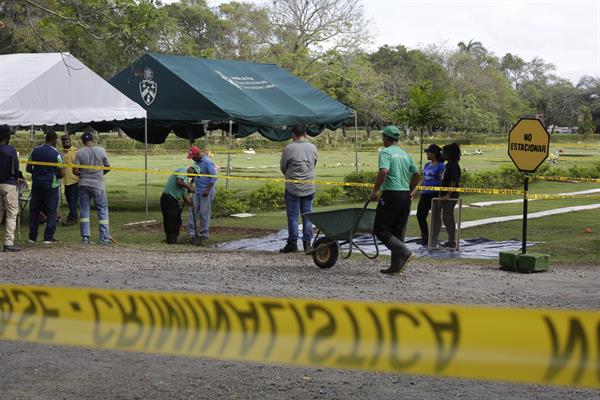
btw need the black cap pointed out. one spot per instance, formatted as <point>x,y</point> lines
<point>86,137</point>
<point>433,148</point>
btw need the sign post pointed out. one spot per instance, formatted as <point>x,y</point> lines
<point>528,147</point>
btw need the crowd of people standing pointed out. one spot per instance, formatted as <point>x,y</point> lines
<point>394,189</point>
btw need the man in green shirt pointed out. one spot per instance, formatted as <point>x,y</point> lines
<point>398,175</point>
<point>176,188</point>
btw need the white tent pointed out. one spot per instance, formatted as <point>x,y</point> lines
<point>57,89</point>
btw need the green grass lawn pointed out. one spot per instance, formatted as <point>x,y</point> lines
<point>563,235</point>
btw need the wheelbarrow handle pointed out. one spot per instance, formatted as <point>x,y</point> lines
<point>359,218</point>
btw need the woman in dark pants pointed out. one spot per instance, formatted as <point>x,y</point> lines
<point>451,178</point>
<point>432,176</point>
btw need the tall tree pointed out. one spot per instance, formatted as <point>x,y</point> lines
<point>307,30</point>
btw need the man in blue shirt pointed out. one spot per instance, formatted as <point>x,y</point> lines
<point>204,193</point>
<point>44,188</point>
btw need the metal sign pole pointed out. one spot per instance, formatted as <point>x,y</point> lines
<point>525,196</point>
<point>229,153</point>
<point>146,165</point>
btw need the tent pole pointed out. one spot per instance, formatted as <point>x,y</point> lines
<point>356,141</point>
<point>146,164</point>
<point>229,153</point>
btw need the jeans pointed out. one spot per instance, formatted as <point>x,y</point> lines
<point>86,195</point>
<point>43,200</point>
<point>423,211</point>
<point>9,206</point>
<point>446,209</point>
<point>294,206</point>
<point>171,212</point>
<point>202,208</point>
<point>72,196</point>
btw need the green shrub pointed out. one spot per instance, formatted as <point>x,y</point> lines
<point>355,193</point>
<point>334,194</point>
<point>505,177</point>
<point>227,203</point>
<point>268,197</point>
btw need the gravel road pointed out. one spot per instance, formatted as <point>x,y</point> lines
<point>29,371</point>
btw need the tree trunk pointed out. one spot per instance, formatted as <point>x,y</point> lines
<point>343,131</point>
<point>368,129</point>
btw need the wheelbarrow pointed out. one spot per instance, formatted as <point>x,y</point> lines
<point>339,228</point>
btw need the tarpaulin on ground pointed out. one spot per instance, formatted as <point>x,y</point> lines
<point>475,248</point>
<point>180,93</point>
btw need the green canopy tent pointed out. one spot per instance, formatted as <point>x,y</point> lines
<point>185,94</point>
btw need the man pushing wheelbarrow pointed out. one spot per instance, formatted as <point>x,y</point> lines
<point>398,175</point>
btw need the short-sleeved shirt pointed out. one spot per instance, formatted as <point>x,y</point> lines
<point>451,174</point>
<point>44,176</point>
<point>69,156</point>
<point>432,176</point>
<point>400,166</point>
<point>207,167</point>
<point>298,161</point>
<point>95,156</point>
<point>172,188</point>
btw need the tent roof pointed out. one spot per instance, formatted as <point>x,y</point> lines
<point>261,97</point>
<point>56,88</point>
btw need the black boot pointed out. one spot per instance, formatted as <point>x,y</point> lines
<point>306,245</point>
<point>424,241</point>
<point>290,247</point>
<point>400,256</point>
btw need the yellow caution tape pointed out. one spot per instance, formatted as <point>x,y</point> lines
<point>567,179</point>
<point>521,345</point>
<point>511,192</point>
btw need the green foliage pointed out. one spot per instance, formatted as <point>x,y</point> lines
<point>359,193</point>
<point>424,108</point>
<point>505,177</point>
<point>268,197</point>
<point>334,194</point>
<point>227,202</point>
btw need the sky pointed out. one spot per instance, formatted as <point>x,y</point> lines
<point>564,33</point>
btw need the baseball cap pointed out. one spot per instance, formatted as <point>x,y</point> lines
<point>86,137</point>
<point>193,151</point>
<point>391,131</point>
<point>433,148</point>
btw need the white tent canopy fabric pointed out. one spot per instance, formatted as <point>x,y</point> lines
<point>57,89</point>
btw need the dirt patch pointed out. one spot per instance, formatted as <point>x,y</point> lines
<point>47,372</point>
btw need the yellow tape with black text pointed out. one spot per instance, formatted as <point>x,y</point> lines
<point>513,192</point>
<point>511,344</point>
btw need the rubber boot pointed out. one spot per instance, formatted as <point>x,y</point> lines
<point>400,256</point>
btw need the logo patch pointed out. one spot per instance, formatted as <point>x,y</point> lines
<point>148,88</point>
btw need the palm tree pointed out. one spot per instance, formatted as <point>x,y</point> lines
<point>474,48</point>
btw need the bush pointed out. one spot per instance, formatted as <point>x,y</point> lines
<point>226,203</point>
<point>330,196</point>
<point>505,177</point>
<point>359,193</point>
<point>268,197</point>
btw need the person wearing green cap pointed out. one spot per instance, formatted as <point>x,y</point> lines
<point>177,188</point>
<point>398,175</point>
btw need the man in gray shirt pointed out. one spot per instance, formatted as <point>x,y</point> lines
<point>298,162</point>
<point>91,187</point>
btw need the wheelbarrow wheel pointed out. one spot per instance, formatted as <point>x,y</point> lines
<point>326,252</point>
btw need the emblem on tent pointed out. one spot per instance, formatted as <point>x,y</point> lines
<point>148,87</point>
